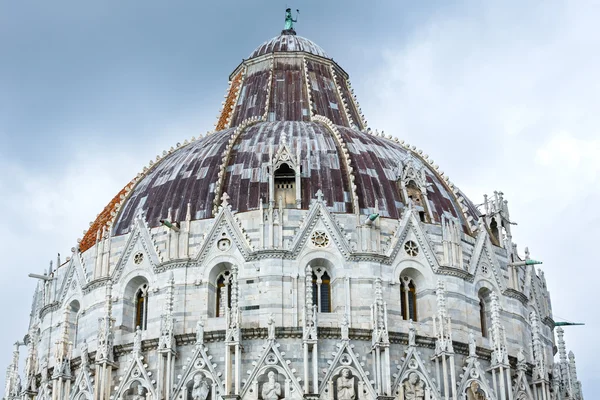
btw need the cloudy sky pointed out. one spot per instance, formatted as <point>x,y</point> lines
<point>503,95</point>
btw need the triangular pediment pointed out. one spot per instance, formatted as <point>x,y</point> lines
<point>82,389</point>
<point>410,228</point>
<point>199,364</point>
<point>226,232</point>
<point>413,372</point>
<point>74,279</point>
<point>472,372</point>
<point>140,241</point>
<point>320,219</point>
<point>484,263</point>
<point>285,383</point>
<point>346,367</point>
<point>521,388</point>
<point>135,374</point>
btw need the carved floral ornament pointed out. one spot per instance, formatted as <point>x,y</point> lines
<point>319,239</point>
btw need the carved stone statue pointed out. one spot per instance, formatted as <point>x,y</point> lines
<point>200,389</point>
<point>472,345</point>
<point>200,332</point>
<point>139,393</point>
<point>85,359</point>
<point>414,388</point>
<point>271,327</point>
<point>271,389</point>
<point>345,386</point>
<point>412,333</point>
<point>137,341</point>
<point>474,392</point>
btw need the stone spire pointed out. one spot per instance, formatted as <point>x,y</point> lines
<point>104,351</point>
<point>442,325</point>
<point>310,309</point>
<point>167,336</point>
<point>497,334</point>
<point>379,316</point>
<point>539,358</point>
<point>32,360</point>
<point>13,380</point>
<point>576,385</point>
<point>63,349</point>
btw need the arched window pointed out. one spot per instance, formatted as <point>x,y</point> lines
<point>285,185</point>
<point>482,321</point>
<point>74,308</point>
<point>484,311</point>
<point>223,295</point>
<point>408,298</point>
<point>141,307</point>
<point>321,290</point>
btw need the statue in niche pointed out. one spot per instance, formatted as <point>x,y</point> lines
<point>414,387</point>
<point>271,389</point>
<point>474,392</point>
<point>200,389</point>
<point>345,386</point>
<point>139,393</point>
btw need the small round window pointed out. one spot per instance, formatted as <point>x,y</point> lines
<point>411,248</point>
<point>138,258</point>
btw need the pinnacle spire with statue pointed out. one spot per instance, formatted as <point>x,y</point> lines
<point>289,22</point>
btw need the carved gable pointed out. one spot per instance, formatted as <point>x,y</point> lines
<point>198,373</point>
<point>271,375</point>
<point>413,377</point>
<point>140,241</point>
<point>346,375</point>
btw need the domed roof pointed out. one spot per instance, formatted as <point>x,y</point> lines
<point>190,174</point>
<point>289,43</point>
<point>305,107</point>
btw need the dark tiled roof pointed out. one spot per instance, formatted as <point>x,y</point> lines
<point>288,43</point>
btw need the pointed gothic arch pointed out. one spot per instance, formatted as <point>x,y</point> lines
<point>322,285</point>
<point>483,296</point>
<point>135,304</point>
<point>219,293</point>
<point>411,282</point>
<point>74,314</point>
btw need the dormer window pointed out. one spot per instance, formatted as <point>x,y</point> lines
<point>285,186</point>
<point>416,198</point>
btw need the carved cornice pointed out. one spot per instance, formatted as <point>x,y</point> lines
<point>49,308</point>
<point>460,273</point>
<point>95,284</point>
<point>515,294</point>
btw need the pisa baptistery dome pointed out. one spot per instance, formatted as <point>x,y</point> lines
<point>293,253</point>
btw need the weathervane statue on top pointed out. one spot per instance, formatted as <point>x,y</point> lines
<point>289,22</point>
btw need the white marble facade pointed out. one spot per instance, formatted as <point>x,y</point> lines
<point>269,341</point>
<point>290,302</point>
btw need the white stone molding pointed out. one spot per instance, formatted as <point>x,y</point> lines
<point>451,242</point>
